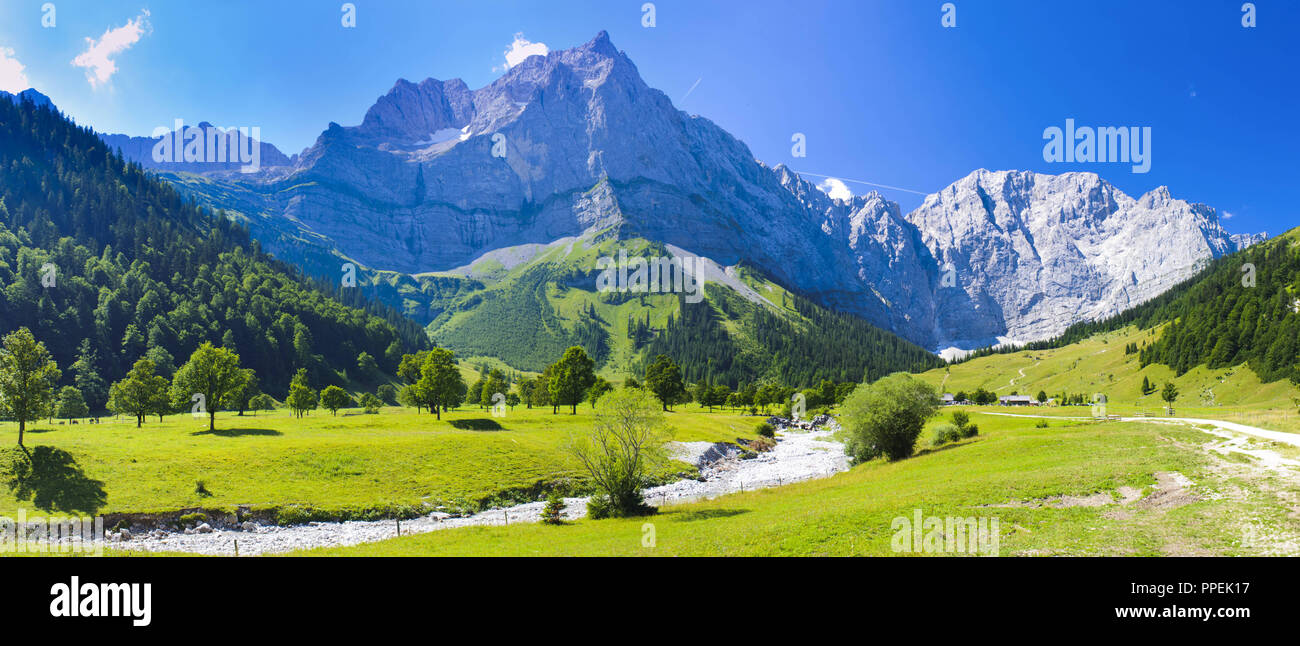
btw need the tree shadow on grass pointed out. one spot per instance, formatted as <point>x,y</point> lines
<point>965,441</point>
<point>476,424</point>
<point>238,432</point>
<point>707,514</point>
<point>51,479</point>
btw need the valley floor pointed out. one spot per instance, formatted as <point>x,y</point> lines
<point>1076,487</point>
<point>319,467</point>
<point>1220,477</point>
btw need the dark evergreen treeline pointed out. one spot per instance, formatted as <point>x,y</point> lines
<point>1222,316</point>
<point>106,264</point>
<point>830,346</point>
<point>1233,315</point>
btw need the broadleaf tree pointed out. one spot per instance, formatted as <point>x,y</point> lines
<point>138,393</point>
<point>440,385</point>
<point>572,375</point>
<point>664,379</point>
<point>27,378</point>
<point>213,373</point>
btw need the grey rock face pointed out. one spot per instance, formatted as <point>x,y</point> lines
<point>437,175</point>
<point>1034,253</point>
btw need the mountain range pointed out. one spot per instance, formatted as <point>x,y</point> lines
<point>438,179</point>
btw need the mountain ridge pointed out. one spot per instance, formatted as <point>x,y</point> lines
<point>587,146</point>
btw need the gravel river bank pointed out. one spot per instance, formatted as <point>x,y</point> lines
<point>798,455</point>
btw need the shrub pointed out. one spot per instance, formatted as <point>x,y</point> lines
<point>201,488</point>
<point>599,506</point>
<point>764,429</point>
<point>553,512</point>
<point>887,416</point>
<point>294,514</point>
<point>626,444</point>
<point>860,453</point>
<point>1042,423</point>
<point>945,433</point>
<point>371,403</point>
<point>964,427</point>
<point>261,401</point>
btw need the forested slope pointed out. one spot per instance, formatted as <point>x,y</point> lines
<point>107,264</point>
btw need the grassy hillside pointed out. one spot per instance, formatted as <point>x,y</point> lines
<point>1099,364</point>
<point>1242,308</point>
<point>339,466</point>
<point>546,300</point>
<point>1013,471</point>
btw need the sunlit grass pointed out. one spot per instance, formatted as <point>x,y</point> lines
<point>1012,461</point>
<point>352,461</point>
<point>1098,365</point>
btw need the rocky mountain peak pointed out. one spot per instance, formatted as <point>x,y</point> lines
<point>1156,197</point>
<point>410,112</point>
<point>600,45</point>
<point>997,255</point>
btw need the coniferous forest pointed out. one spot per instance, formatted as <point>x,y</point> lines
<point>1243,308</point>
<point>106,265</point>
<point>832,346</point>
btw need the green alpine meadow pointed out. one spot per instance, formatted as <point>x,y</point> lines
<point>592,300</point>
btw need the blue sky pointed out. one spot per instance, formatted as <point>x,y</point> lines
<point>883,92</point>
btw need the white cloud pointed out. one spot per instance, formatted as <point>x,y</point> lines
<point>12,78</point>
<point>98,57</point>
<point>1227,215</point>
<point>835,189</point>
<point>521,49</point>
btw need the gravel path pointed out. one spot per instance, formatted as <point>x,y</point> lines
<point>1277,436</point>
<point>799,455</point>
